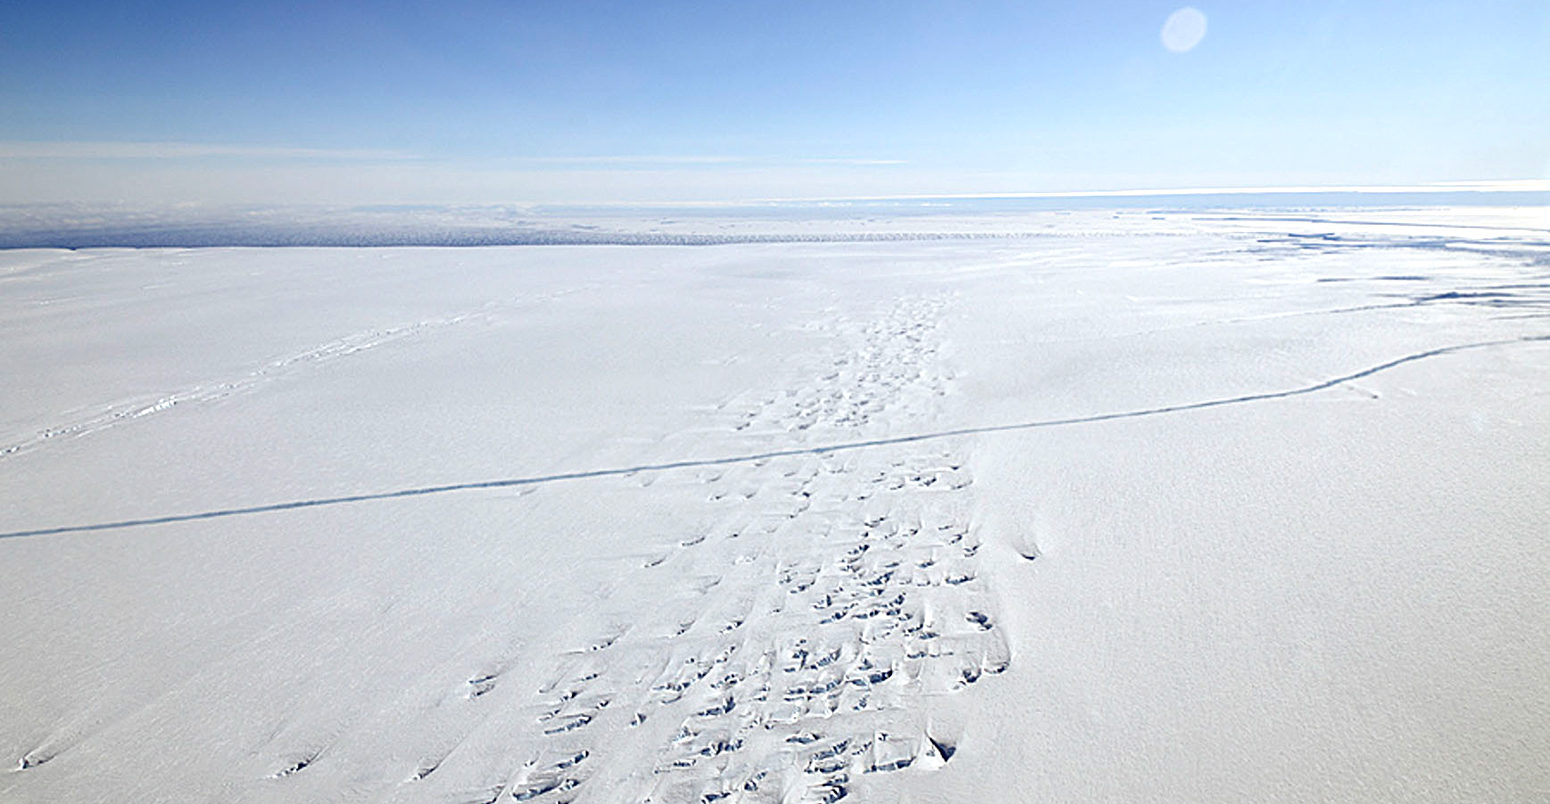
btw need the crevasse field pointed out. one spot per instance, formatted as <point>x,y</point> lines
<point>1127,507</point>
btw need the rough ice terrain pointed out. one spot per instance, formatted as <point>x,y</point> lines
<point>1130,506</point>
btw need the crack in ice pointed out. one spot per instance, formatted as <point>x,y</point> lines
<point>816,450</point>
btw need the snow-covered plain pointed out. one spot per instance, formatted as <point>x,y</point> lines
<point>1129,506</point>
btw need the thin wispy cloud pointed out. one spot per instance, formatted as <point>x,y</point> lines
<point>614,160</point>
<point>197,150</point>
<point>690,160</point>
<point>187,150</point>
<point>852,161</point>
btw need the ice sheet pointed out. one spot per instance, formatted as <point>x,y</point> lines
<point>1185,507</point>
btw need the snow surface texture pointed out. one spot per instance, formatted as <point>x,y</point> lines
<point>1152,507</point>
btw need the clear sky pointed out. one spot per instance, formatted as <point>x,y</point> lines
<point>454,102</point>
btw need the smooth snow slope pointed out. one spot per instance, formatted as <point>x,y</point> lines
<point>1149,507</point>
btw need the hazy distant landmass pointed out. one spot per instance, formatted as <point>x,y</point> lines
<point>103,226</point>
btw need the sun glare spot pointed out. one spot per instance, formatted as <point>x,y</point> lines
<point>1184,29</point>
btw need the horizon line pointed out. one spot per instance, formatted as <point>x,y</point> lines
<point>1474,186</point>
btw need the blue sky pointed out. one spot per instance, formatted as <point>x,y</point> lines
<point>614,101</point>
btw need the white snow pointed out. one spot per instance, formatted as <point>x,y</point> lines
<point>1137,506</point>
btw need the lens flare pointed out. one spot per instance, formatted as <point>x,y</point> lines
<point>1184,29</point>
